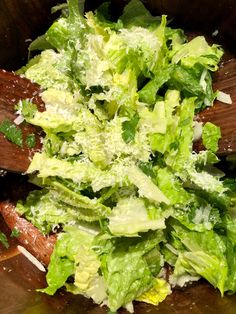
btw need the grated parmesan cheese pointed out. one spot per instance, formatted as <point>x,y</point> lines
<point>31,258</point>
<point>223,97</point>
<point>18,120</point>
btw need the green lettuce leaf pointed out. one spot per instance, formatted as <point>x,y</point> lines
<point>60,267</point>
<point>210,136</point>
<point>145,186</point>
<point>172,187</point>
<point>68,246</point>
<point>129,129</point>
<point>58,205</point>
<point>204,256</point>
<point>124,287</point>
<point>130,216</point>
<point>142,18</point>
<point>160,290</point>
<point>51,70</point>
<point>198,51</point>
<point>45,212</point>
<point>58,34</point>
<point>230,284</point>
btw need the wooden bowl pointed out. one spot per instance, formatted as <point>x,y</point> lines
<point>21,21</point>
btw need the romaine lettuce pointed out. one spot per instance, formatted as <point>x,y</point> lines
<point>121,184</point>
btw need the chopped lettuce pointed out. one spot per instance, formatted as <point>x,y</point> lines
<point>204,256</point>
<point>130,216</point>
<point>198,51</point>
<point>66,255</point>
<point>118,179</point>
<point>51,70</point>
<point>142,17</point>
<point>124,287</point>
<point>129,254</point>
<point>210,136</point>
<point>157,293</point>
<point>145,186</point>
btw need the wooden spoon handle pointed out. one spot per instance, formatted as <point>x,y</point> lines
<point>30,237</point>
<point>13,88</point>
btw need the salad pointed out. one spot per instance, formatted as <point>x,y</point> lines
<point>120,183</point>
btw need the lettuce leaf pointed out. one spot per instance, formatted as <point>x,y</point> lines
<point>204,256</point>
<point>130,216</point>
<point>66,254</point>
<point>160,290</point>
<point>145,186</point>
<point>124,287</point>
<point>198,51</point>
<point>142,18</point>
<point>210,136</point>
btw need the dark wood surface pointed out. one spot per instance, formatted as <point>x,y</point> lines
<point>20,22</point>
<point>201,15</point>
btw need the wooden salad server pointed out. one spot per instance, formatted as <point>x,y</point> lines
<point>14,88</point>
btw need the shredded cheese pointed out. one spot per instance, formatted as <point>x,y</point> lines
<point>31,258</point>
<point>223,97</point>
<point>18,120</point>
